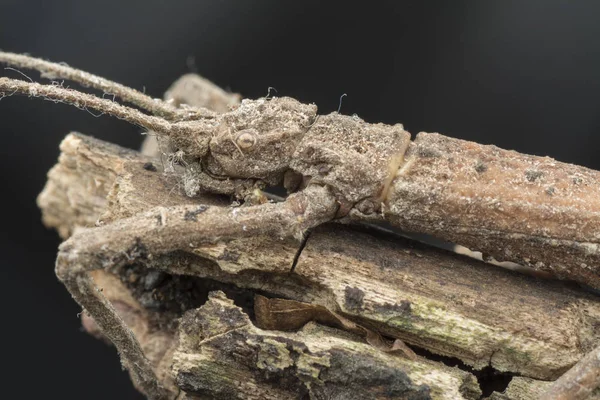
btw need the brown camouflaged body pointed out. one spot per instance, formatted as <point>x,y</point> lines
<point>515,207</point>
<point>350,156</point>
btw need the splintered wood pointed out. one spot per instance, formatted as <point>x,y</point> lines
<point>449,308</point>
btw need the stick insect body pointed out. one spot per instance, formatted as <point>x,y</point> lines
<point>514,207</point>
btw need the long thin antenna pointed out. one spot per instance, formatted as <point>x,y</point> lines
<point>59,71</point>
<point>84,101</point>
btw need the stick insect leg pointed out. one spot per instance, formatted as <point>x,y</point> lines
<point>89,296</point>
<point>162,230</point>
<point>579,382</point>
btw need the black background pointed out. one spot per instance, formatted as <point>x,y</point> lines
<point>523,75</point>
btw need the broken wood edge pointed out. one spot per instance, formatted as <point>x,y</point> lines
<point>221,352</point>
<point>522,388</point>
<point>206,356</point>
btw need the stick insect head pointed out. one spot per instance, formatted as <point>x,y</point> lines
<point>254,142</point>
<point>257,140</point>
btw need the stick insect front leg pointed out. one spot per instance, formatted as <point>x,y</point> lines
<point>579,382</point>
<point>162,230</point>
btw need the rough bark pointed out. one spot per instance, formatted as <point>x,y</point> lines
<point>530,389</point>
<point>436,301</point>
<point>222,354</point>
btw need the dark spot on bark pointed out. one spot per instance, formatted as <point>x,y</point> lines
<point>403,308</point>
<point>533,175</point>
<point>428,152</point>
<point>353,298</point>
<point>481,167</point>
<point>191,215</point>
<point>196,382</point>
<point>295,346</point>
<point>577,180</point>
<point>229,255</point>
<point>308,152</point>
<point>550,191</point>
<point>149,167</point>
<point>232,317</point>
<point>138,250</point>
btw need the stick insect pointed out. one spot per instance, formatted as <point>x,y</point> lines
<point>510,206</point>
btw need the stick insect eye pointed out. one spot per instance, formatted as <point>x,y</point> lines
<point>245,140</point>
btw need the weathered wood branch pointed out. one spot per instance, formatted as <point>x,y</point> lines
<point>434,300</point>
<point>221,352</point>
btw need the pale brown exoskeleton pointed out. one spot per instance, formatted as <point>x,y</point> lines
<point>513,207</point>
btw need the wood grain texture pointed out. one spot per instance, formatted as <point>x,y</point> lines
<point>223,355</point>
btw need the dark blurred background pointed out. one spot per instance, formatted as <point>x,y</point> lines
<point>523,75</point>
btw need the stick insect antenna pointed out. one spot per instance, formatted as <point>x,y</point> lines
<point>85,101</point>
<point>60,71</point>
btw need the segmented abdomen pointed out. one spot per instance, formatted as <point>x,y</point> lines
<point>531,210</point>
